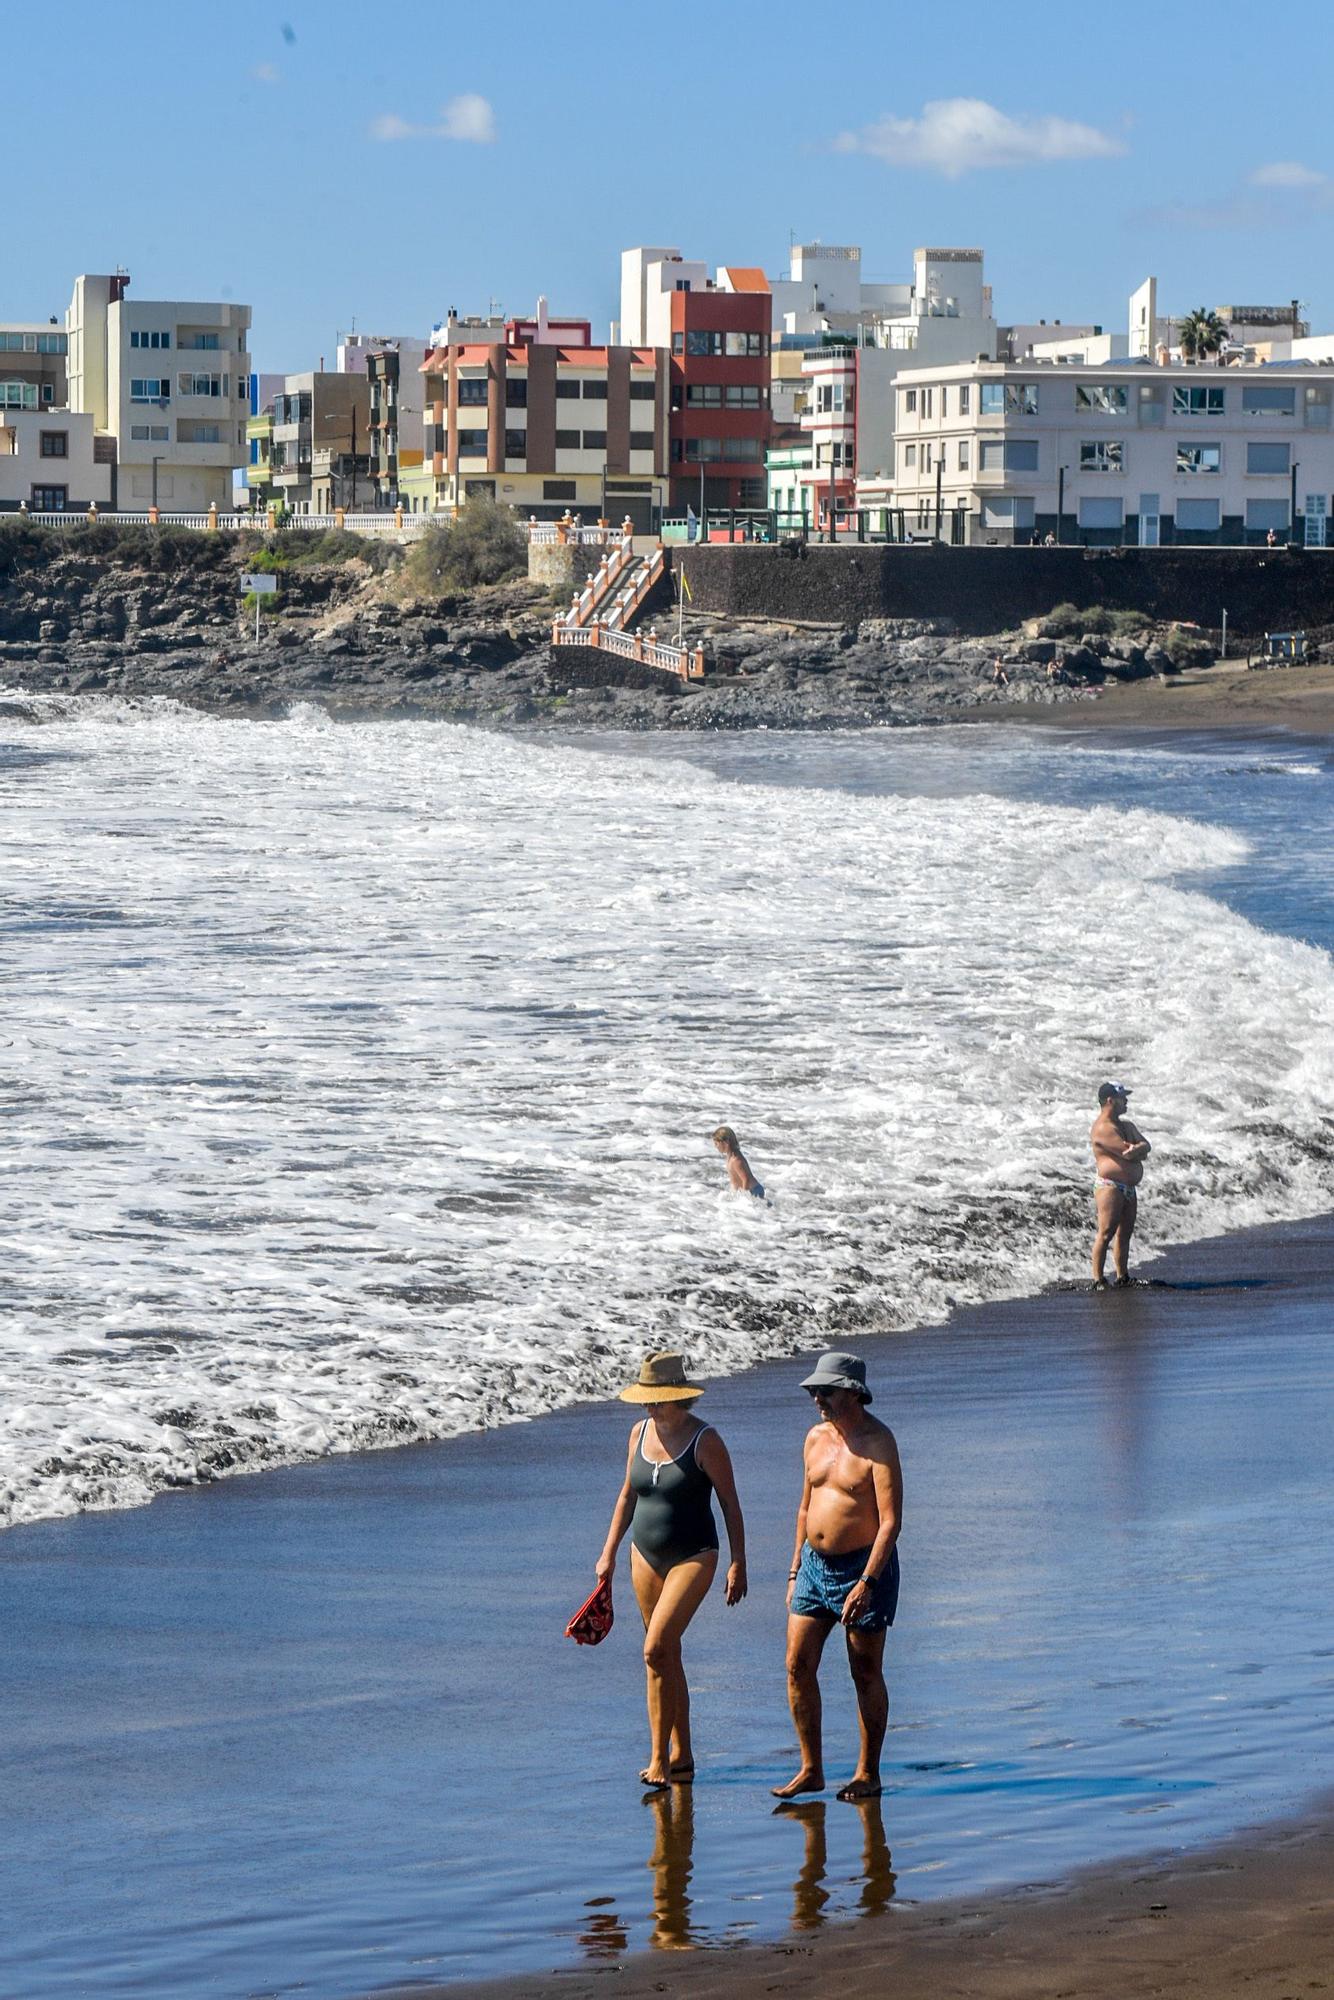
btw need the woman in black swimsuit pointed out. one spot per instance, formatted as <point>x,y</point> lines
<point>675,1465</point>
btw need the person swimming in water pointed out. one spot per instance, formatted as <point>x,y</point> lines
<point>674,1467</point>
<point>738,1167</point>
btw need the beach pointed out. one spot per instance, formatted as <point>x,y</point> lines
<point>1226,696</point>
<point>421,1164</point>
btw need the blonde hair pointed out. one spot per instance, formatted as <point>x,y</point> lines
<point>725,1136</point>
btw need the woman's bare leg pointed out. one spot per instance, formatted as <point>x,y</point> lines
<point>668,1603</point>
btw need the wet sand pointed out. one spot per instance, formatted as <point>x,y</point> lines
<point>319,1728</point>
<point>1250,1919</point>
<point>1299,700</point>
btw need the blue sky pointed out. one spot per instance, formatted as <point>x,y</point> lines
<point>334,162</point>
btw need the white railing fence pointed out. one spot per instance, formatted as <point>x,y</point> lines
<point>572,532</point>
<point>408,529</point>
<point>650,651</point>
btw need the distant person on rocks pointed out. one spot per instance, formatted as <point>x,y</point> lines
<point>999,677</point>
<point>1271,539</point>
<point>845,1569</point>
<point>675,1466</point>
<point>738,1167</point>
<point>1119,1152</point>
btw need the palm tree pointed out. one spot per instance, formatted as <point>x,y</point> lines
<point>1201,332</point>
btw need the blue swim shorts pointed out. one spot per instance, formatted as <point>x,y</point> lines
<point>823,1583</point>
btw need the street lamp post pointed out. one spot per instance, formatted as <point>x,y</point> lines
<point>1060,503</point>
<point>1292,503</point>
<point>157,460</point>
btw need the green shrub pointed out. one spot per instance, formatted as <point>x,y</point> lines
<point>484,545</point>
<point>1187,649</point>
<point>266,600</point>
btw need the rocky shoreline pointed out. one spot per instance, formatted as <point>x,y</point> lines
<point>346,637</point>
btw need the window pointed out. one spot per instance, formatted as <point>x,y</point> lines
<point>1010,455</point>
<point>910,402</point>
<point>150,389</point>
<point>678,343</point>
<point>472,444</point>
<point>1268,457</point>
<point>1095,512</point>
<point>699,450</point>
<point>927,399</point>
<point>142,337</point>
<point>150,433</point>
<point>1262,515</point>
<point>1200,517</point>
<point>49,499</point>
<point>471,390</point>
<point>204,385</point>
<point>566,391</point>
<point>746,343</point>
<point>196,433</point>
<point>1259,400</point>
<point>595,388</point>
<point>965,399</point>
<point>831,454</point>
<point>559,489</point>
<point>516,392</point>
<point>641,440</point>
<point>1100,455</point>
<point>641,392</point>
<point>479,489</point>
<point>704,396</point>
<point>201,343</point>
<point>829,396</point>
<point>1198,402</point>
<point>595,440</point>
<point>1021,398</point>
<point>910,457</point>
<point>567,440</point>
<point>1004,510</point>
<point>516,444</point>
<point>992,403</point>
<point>944,404</point>
<point>1199,458</point>
<point>965,455</point>
<point>698,342</point>
<point>1109,399</point>
<point>741,396</point>
<point>48,393</point>
<point>55,444</point>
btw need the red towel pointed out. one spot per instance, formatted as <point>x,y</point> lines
<point>592,1621</point>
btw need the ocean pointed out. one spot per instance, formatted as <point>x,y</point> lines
<point>358,1078</point>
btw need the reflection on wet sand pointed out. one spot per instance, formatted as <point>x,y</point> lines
<point>809,1894</point>
<point>671,1861</point>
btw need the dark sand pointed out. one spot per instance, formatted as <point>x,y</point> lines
<point>1299,700</point>
<point>318,1730</point>
<point>1251,1919</point>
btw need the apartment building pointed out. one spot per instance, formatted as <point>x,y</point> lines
<point>53,462</point>
<point>32,366</point>
<point>392,365</point>
<point>1125,451</point>
<point>170,380</point>
<point>718,332</point>
<point>544,421</point>
<point>318,443</point>
<point>849,412</point>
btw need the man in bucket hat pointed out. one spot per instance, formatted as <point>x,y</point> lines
<point>845,1568</point>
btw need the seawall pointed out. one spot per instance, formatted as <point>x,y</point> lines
<point>988,590</point>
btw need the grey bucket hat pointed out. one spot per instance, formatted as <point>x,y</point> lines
<point>839,1371</point>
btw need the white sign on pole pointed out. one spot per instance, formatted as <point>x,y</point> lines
<point>259,582</point>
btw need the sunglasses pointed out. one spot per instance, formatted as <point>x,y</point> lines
<point>816,1395</point>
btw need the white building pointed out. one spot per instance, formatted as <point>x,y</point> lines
<point>849,410</point>
<point>53,462</point>
<point>1125,451</point>
<point>170,379</point>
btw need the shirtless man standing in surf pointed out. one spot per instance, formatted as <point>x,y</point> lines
<point>845,1569</point>
<point>1119,1152</point>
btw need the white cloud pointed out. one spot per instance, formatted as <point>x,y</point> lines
<point>954,135</point>
<point>1288,174</point>
<point>469,119</point>
<point>266,73</point>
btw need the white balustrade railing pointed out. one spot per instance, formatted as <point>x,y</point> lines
<point>686,661</point>
<point>408,529</point>
<point>573,532</point>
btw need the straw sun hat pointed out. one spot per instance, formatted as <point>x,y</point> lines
<point>662,1379</point>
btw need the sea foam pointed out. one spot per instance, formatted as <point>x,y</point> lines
<point>358,1078</point>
